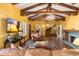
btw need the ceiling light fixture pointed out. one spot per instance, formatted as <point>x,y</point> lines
<point>50,17</point>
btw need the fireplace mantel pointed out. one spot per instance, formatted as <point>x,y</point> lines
<point>71,30</point>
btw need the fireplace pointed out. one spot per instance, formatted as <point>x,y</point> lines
<point>72,39</point>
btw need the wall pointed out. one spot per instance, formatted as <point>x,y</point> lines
<point>57,22</point>
<point>73,22</point>
<point>10,11</point>
<point>2,32</point>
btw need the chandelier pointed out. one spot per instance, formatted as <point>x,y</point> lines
<point>50,17</point>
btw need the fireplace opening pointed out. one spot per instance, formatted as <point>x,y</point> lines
<point>72,39</point>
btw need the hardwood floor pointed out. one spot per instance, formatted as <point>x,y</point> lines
<point>58,44</point>
<point>54,43</point>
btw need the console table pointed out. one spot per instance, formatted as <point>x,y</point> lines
<point>17,42</point>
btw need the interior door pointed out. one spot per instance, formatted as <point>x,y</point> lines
<point>60,31</point>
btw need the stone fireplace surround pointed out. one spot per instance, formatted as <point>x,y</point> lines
<point>70,42</point>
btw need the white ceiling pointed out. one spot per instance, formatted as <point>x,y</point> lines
<point>58,7</point>
<point>38,8</point>
<point>25,5</point>
<point>75,5</point>
<point>55,6</point>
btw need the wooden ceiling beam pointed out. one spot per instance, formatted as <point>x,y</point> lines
<point>68,6</point>
<point>59,15</point>
<point>53,12</point>
<point>49,7</point>
<point>58,11</point>
<point>25,14</point>
<point>14,3</point>
<point>57,19</point>
<point>32,6</point>
<point>43,18</point>
<point>22,13</point>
